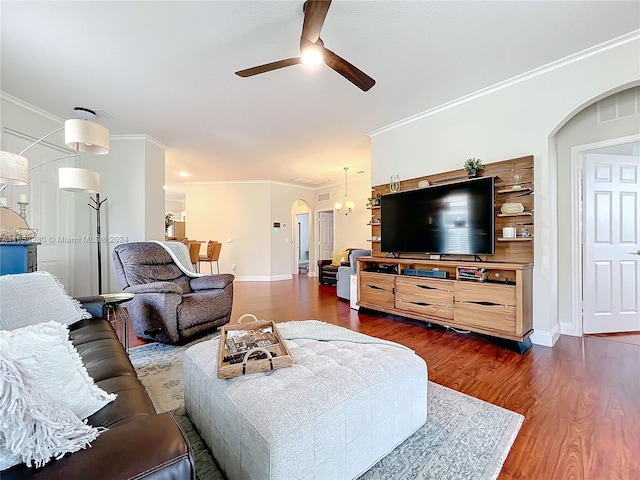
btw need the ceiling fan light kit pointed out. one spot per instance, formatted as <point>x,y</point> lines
<point>312,46</point>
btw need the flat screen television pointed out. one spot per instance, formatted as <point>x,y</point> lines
<point>452,219</point>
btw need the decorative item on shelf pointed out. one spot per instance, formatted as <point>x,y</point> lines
<point>509,232</point>
<point>15,234</point>
<point>346,203</point>
<point>512,208</point>
<point>473,166</point>
<point>516,182</point>
<point>394,183</point>
<point>525,232</point>
<point>423,183</point>
<point>373,201</point>
<point>23,209</point>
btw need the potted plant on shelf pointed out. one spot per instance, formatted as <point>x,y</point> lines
<point>473,166</point>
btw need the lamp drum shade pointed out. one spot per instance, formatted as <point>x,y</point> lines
<point>85,136</point>
<point>79,180</point>
<point>14,169</point>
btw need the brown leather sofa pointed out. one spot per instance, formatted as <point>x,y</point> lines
<point>138,442</point>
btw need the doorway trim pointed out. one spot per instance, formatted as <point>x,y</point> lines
<point>577,227</point>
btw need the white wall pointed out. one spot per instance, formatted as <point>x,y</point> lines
<point>518,118</point>
<point>244,212</point>
<point>131,181</point>
<point>350,231</point>
<point>174,206</point>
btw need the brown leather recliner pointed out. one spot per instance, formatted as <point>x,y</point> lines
<point>170,306</point>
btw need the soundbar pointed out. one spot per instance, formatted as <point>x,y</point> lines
<point>425,273</point>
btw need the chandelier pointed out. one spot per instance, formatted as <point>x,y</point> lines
<point>346,203</point>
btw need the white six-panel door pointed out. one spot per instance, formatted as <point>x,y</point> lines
<point>325,235</point>
<point>611,284</point>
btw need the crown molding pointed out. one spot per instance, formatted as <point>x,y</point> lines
<point>557,64</point>
<point>248,182</point>
<point>32,108</point>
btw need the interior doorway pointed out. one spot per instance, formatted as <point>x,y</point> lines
<point>301,233</point>
<point>302,219</point>
<point>324,222</point>
<point>608,248</point>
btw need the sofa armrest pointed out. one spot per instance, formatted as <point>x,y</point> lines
<point>148,447</point>
<point>155,287</point>
<point>211,282</point>
<point>94,305</point>
<point>322,263</point>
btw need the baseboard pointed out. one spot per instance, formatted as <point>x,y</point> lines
<point>546,339</point>
<point>265,278</point>
<point>570,329</point>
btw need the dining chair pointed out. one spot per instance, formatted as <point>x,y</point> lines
<point>194,253</point>
<point>213,254</point>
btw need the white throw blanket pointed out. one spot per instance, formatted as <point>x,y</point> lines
<point>322,331</point>
<point>179,252</point>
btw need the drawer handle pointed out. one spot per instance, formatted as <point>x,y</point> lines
<point>375,287</point>
<point>487,304</point>
<point>426,287</point>
<point>422,304</point>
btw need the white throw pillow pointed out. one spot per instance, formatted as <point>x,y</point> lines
<point>32,298</point>
<point>33,428</point>
<point>50,359</point>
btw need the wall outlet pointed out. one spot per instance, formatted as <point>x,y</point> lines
<point>233,266</point>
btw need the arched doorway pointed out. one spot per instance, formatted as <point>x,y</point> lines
<point>596,131</point>
<point>301,231</point>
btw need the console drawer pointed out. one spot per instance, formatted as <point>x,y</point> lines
<point>425,296</point>
<point>376,288</point>
<point>485,293</point>
<point>498,318</point>
<point>436,291</point>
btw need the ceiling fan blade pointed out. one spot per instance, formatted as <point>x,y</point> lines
<point>315,11</point>
<point>348,71</point>
<point>267,67</point>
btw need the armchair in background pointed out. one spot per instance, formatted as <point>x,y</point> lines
<point>344,273</point>
<point>169,305</point>
<point>328,269</point>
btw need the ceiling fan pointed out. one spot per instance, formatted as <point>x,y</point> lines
<point>312,48</point>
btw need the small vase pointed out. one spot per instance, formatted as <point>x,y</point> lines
<point>473,173</point>
<point>394,183</point>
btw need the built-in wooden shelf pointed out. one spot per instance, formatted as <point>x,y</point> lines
<point>373,224</point>
<point>521,214</point>
<point>374,241</point>
<point>377,207</point>
<point>514,190</point>
<point>517,239</point>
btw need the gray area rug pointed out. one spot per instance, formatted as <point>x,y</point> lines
<point>463,438</point>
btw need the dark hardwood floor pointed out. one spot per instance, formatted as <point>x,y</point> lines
<point>580,399</point>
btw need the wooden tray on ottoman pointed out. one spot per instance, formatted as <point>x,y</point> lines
<point>251,347</point>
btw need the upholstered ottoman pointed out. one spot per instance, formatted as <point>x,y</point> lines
<point>343,404</point>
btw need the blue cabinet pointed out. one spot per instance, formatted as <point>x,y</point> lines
<point>18,257</point>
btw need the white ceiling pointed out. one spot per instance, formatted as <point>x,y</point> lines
<point>166,69</point>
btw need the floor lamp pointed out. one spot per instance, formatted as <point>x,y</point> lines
<point>80,135</point>
<point>81,180</point>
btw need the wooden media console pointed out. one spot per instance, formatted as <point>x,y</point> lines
<point>490,298</point>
